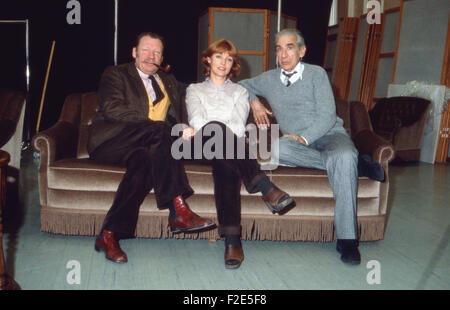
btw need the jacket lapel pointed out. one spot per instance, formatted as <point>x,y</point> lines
<point>170,90</point>
<point>168,85</point>
<point>139,87</point>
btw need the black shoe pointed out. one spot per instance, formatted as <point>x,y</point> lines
<point>369,168</point>
<point>349,251</point>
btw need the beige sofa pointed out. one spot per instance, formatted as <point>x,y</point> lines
<point>76,192</point>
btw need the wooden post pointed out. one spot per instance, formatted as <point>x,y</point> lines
<point>45,86</point>
<point>444,130</point>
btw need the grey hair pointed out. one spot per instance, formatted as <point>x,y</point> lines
<point>291,31</point>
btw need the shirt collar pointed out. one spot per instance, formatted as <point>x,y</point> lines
<point>143,75</point>
<point>208,81</point>
<point>298,75</point>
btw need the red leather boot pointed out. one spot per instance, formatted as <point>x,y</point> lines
<point>186,220</point>
<point>106,242</point>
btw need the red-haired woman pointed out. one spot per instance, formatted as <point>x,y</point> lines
<point>221,106</point>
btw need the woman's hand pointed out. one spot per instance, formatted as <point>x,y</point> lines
<point>260,114</point>
<point>188,133</point>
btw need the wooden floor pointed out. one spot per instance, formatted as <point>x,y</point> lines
<point>415,253</point>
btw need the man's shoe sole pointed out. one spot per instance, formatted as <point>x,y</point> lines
<point>99,249</point>
<point>283,207</point>
<point>206,226</point>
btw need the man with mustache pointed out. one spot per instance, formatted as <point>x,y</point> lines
<point>138,105</point>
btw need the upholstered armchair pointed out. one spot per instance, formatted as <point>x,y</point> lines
<point>401,121</point>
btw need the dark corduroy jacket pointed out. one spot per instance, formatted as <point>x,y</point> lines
<point>122,99</point>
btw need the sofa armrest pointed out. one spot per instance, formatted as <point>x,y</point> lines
<point>368,142</point>
<point>57,142</point>
<point>410,137</point>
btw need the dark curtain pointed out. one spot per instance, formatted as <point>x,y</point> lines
<point>83,51</point>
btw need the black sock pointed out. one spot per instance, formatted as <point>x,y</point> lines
<point>369,168</point>
<point>172,212</point>
<point>232,240</point>
<point>264,185</point>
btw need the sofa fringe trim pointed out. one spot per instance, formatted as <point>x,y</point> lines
<point>263,227</point>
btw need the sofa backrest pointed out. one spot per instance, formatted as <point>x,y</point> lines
<point>343,111</point>
<point>388,114</point>
<point>89,107</point>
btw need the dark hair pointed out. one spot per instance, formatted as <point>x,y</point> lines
<point>148,34</point>
<point>222,46</point>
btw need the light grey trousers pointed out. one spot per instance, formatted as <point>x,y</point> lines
<point>337,155</point>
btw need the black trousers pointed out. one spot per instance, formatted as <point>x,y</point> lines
<point>145,149</point>
<point>227,173</point>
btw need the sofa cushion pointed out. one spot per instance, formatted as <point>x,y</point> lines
<point>76,183</point>
<point>87,175</point>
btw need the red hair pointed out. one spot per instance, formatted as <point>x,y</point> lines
<point>222,46</point>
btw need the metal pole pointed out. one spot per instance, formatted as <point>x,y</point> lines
<point>116,19</point>
<point>27,142</point>
<point>278,27</point>
<point>279,16</point>
<point>27,52</point>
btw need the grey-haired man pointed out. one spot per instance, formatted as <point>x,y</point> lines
<point>301,98</point>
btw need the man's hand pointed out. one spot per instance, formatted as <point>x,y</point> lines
<point>297,138</point>
<point>260,114</point>
<point>188,133</point>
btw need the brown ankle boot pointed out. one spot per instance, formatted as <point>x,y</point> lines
<point>278,201</point>
<point>186,220</point>
<point>106,242</point>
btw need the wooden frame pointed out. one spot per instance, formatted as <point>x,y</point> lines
<point>444,130</point>
<point>265,32</point>
<point>372,56</point>
<point>211,11</point>
<point>348,37</point>
<point>330,38</point>
<point>399,26</point>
